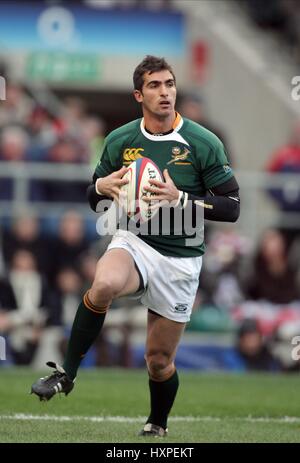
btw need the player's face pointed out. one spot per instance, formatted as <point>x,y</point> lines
<point>158,94</point>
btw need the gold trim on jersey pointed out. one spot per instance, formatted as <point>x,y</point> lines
<point>177,120</point>
<point>182,163</point>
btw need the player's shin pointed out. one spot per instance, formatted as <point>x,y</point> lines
<point>162,395</point>
<point>86,327</point>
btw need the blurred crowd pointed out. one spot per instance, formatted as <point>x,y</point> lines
<point>282,16</point>
<point>286,160</point>
<point>254,289</point>
<point>30,132</point>
<point>42,280</point>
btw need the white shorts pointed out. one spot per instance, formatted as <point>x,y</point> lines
<point>170,283</point>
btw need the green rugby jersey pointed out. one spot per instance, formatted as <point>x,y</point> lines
<point>194,156</point>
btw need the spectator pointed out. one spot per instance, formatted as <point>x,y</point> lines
<point>93,131</point>
<point>286,159</point>
<point>73,114</point>
<point>221,282</point>
<point>16,107</point>
<point>273,279</point>
<point>251,352</point>
<point>70,243</point>
<point>25,234</point>
<point>13,144</point>
<point>66,150</point>
<point>13,148</point>
<point>43,133</point>
<point>25,307</point>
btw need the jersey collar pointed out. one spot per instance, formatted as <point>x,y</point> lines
<point>170,136</point>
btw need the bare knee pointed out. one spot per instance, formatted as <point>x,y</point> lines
<point>160,365</point>
<point>102,292</point>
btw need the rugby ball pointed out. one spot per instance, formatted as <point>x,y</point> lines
<point>140,172</point>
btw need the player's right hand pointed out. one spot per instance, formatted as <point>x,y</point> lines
<point>111,184</point>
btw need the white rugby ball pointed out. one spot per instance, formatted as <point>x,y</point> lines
<point>140,172</point>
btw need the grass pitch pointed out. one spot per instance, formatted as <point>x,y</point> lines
<point>110,406</point>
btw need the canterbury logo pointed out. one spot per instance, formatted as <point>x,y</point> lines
<point>131,154</point>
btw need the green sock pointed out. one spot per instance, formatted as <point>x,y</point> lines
<point>162,395</point>
<point>86,327</point>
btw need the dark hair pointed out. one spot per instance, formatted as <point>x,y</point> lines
<point>248,325</point>
<point>150,64</point>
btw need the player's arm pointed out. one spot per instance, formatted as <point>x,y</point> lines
<point>93,197</point>
<point>222,203</point>
<point>107,187</point>
<point>107,179</point>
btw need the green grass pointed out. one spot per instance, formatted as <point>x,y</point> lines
<point>228,402</point>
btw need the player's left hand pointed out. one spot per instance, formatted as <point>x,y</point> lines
<point>165,193</point>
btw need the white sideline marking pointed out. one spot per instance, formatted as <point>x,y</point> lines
<point>141,419</point>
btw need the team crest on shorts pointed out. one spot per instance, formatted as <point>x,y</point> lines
<point>180,308</point>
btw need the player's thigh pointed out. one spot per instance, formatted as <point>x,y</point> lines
<point>163,336</point>
<point>117,269</point>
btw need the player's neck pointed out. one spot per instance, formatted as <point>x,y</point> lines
<point>159,125</point>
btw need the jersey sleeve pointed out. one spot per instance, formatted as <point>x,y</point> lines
<point>216,169</point>
<point>109,160</point>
